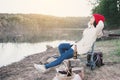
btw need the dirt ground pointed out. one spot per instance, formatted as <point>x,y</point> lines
<point>110,71</point>
<point>24,70</point>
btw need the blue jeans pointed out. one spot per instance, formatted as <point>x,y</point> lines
<point>65,51</point>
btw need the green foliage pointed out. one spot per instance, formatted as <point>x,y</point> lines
<point>111,12</point>
<point>117,52</point>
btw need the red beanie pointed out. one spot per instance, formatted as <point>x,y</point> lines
<point>98,17</point>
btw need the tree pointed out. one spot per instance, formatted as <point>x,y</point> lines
<point>118,5</point>
<point>111,10</point>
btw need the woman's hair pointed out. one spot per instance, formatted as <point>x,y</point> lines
<point>94,24</point>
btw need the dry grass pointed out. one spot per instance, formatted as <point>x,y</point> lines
<point>110,71</point>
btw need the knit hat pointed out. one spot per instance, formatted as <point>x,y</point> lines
<point>98,17</point>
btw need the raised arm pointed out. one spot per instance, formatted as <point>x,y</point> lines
<point>99,29</point>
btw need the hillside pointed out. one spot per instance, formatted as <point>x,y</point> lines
<point>34,27</point>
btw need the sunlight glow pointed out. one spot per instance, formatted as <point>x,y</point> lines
<point>49,7</point>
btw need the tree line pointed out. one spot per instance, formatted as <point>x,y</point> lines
<point>110,9</point>
<point>36,27</point>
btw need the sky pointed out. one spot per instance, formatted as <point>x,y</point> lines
<point>48,7</point>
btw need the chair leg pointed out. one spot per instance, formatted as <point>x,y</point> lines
<point>92,63</point>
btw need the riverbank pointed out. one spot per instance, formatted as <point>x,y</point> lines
<point>24,69</point>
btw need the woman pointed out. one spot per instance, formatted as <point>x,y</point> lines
<point>90,34</point>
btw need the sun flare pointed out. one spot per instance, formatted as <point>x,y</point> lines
<point>49,7</point>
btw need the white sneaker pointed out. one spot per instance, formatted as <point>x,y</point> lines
<point>40,68</point>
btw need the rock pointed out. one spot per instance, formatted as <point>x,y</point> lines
<point>48,47</point>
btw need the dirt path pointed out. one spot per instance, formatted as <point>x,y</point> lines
<point>24,70</point>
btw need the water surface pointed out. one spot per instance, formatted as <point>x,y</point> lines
<point>13,52</point>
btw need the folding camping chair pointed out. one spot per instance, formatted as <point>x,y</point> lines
<point>95,58</point>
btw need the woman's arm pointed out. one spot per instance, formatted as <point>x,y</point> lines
<point>99,28</point>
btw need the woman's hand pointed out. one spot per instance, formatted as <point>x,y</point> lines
<point>89,24</point>
<point>92,20</point>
